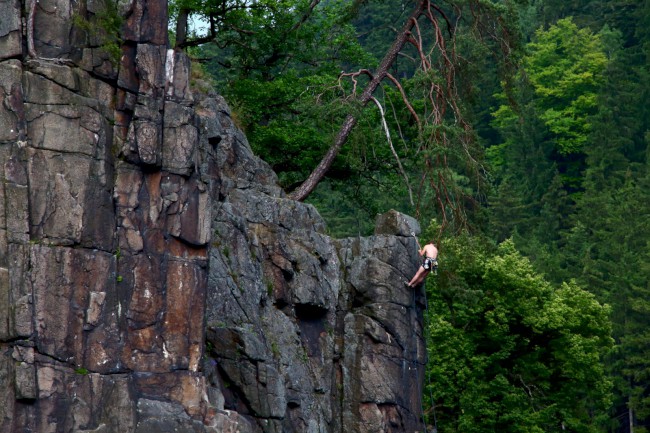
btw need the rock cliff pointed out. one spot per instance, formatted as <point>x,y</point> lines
<point>154,277</point>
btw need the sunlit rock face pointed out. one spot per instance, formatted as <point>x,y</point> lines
<point>153,275</point>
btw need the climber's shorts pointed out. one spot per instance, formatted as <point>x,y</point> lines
<point>430,263</point>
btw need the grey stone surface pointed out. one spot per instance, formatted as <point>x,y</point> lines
<point>10,29</point>
<point>383,353</point>
<point>11,101</point>
<point>396,223</point>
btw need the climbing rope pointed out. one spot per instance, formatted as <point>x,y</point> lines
<point>428,383</point>
<point>428,374</point>
<point>425,336</point>
<point>415,363</point>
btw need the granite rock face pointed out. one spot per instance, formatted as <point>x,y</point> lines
<point>153,275</point>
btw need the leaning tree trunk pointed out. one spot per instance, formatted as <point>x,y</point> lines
<point>181,27</point>
<point>317,174</point>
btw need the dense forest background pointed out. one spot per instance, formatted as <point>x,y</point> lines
<point>517,132</point>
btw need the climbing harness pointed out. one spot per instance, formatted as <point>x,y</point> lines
<point>430,263</point>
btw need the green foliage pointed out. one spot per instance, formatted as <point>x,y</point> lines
<point>279,74</point>
<point>350,208</point>
<point>597,233</point>
<point>271,37</point>
<point>608,248</point>
<point>103,28</point>
<point>510,352</point>
<point>564,67</point>
<point>279,64</point>
<point>280,118</point>
<point>546,121</point>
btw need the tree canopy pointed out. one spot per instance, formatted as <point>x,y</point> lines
<point>299,80</point>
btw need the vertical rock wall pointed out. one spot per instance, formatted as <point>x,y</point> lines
<point>154,277</point>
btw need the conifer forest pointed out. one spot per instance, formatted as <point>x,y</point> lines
<point>517,132</point>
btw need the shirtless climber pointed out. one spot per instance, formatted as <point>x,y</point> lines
<point>430,263</point>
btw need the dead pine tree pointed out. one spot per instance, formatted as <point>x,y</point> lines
<point>428,38</point>
<point>432,32</point>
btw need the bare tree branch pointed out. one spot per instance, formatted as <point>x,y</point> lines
<point>406,101</point>
<point>305,16</point>
<point>350,121</point>
<point>392,149</point>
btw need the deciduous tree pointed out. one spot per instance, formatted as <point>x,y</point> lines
<point>510,352</point>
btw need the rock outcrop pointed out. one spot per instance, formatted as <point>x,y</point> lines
<point>153,275</point>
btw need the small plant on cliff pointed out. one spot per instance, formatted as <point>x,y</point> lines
<point>269,288</point>
<point>275,349</point>
<point>217,324</point>
<point>209,347</point>
<point>200,80</point>
<point>304,356</point>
